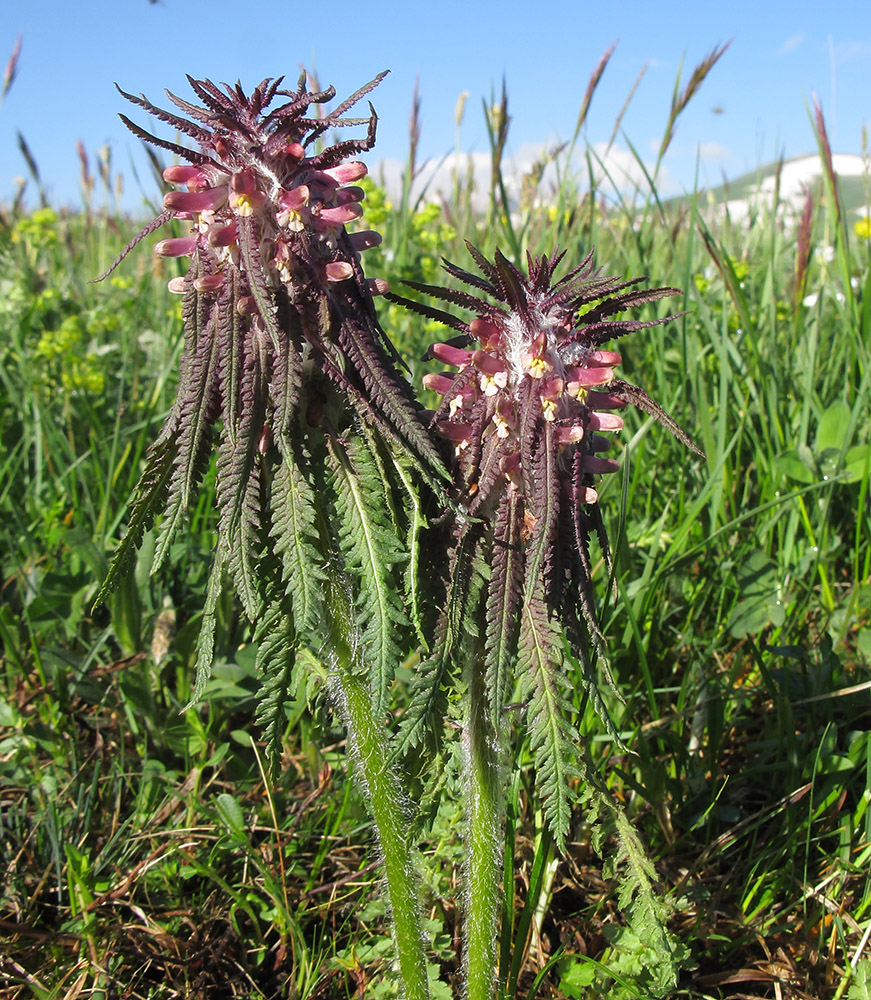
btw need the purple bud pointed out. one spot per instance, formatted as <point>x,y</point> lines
<point>365,240</point>
<point>339,270</point>
<point>349,195</point>
<point>599,466</point>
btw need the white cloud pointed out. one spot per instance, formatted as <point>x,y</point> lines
<point>791,44</point>
<point>713,152</point>
<point>615,170</point>
<point>847,51</point>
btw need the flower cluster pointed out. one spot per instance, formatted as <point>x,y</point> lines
<point>531,391</point>
<point>267,209</point>
<point>287,193</point>
<point>281,333</point>
<point>260,201</point>
<point>533,369</point>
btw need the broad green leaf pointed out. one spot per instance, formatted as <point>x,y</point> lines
<point>791,465</point>
<point>857,463</point>
<point>760,603</point>
<point>231,815</point>
<point>833,426</point>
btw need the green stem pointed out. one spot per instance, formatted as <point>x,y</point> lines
<point>368,740</point>
<point>485,809</point>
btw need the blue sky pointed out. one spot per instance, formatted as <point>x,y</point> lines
<point>751,108</point>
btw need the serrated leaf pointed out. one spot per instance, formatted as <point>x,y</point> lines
<point>192,438</point>
<point>371,550</point>
<point>206,638</point>
<point>553,741</point>
<point>238,479</point>
<point>503,601</point>
<point>860,983</point>
<point>295,535</point>
<point>427,700</point>
<point>147,501</point>
<point>275,661</point>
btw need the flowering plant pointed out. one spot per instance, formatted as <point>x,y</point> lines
<point>325,467</point>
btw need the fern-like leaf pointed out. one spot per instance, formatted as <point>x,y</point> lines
<point>197,405</point>
<point>503,602</point>
<point>208,624</point>
<point>553,741</point>
<point>148,501</point>
<point>294,531</point>
<point>371,551</point>
<point>276,656</point>
<point>238,492</point>
<point>466,575</point>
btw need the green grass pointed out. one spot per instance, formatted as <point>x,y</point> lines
<point>146,855</point>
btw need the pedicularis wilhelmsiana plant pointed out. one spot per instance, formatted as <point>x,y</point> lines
<point>327,469</point>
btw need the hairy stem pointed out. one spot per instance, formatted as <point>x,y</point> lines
<point>485,806</point>
<point>369,746</point>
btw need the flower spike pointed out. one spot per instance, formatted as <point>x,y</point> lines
<point>282,343</point>
<point>532,392</point>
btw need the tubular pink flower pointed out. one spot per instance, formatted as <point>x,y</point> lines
<point>455,430</point>
<point>606,421</point>
<point>347,173</point>
<point>463,401</point>
<point>488,334</point>
<point>209,283</point>
<point>450,355</point>
<point>586,378</point>
<point>184,173</point>
<point>611,358</point>
<point>221,235</point>
<point>487,363</point>
<point>340,215</point>
<point>177,246</point>
<point>440,383</point>
<point>569,435</point>
<point>295,199</point>
<point>206,200</point>
<point>605,401</point>
<point>349,195</point>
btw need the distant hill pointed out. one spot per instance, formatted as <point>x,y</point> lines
<point>753,191</point>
